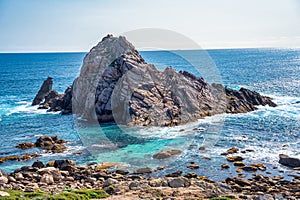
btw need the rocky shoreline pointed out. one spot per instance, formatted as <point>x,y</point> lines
<point>117,182</point>
<point>58,175</point>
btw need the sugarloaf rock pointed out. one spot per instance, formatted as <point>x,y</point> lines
<point>116,84</point>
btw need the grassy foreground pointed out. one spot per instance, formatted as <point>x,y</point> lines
<point>82,194</point>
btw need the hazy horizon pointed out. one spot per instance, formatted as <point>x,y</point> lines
<point>77,26</point>
<point>142,50</point>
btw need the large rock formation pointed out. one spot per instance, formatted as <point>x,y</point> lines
<point>116,84</point>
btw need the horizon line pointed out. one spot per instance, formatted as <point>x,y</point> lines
<point>215,48</point>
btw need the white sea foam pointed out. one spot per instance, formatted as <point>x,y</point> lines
<point>22,102</point>
<point>286,106</point>
<point>269,153</point>
<point>70,150</point>
<point>26,107</point>
<point>165,132</point>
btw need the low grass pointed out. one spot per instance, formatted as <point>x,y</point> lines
<point>82,194</point>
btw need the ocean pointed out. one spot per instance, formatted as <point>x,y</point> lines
<point>268,131</point>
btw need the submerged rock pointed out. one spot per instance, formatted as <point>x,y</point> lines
<point>230,151</point>
<point>193,166</point>
<point>166,154</point>
<point>19,158</point>
<point>225,166</point>
<point>234,158</point>
<point>25,145</point>
<point>174,174</point>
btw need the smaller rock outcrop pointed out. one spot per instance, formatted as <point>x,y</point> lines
<point>52,100</point>
<point>43,92</point>
<point>18,158</point>
<point>245,100</point>
<point>50,144</point>
<point>289,161</point>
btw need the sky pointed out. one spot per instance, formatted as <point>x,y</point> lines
<point>74,25</point>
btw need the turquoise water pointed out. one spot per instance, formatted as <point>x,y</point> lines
<point>269,131</point>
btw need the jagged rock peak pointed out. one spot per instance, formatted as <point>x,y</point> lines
<point>94,64</point>
<point>106,37</point>
<point>43,92</point>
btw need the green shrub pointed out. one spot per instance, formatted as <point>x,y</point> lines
<point>67,194</point>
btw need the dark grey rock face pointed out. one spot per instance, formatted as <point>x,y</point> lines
<point>43,92</point>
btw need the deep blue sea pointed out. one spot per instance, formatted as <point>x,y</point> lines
<point>268,131</point>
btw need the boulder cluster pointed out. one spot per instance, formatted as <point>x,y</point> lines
<point>116,180</point>
<point>50,144</point>
<point>58,175</point>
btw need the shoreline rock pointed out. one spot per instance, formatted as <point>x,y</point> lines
<point>289,161</point>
